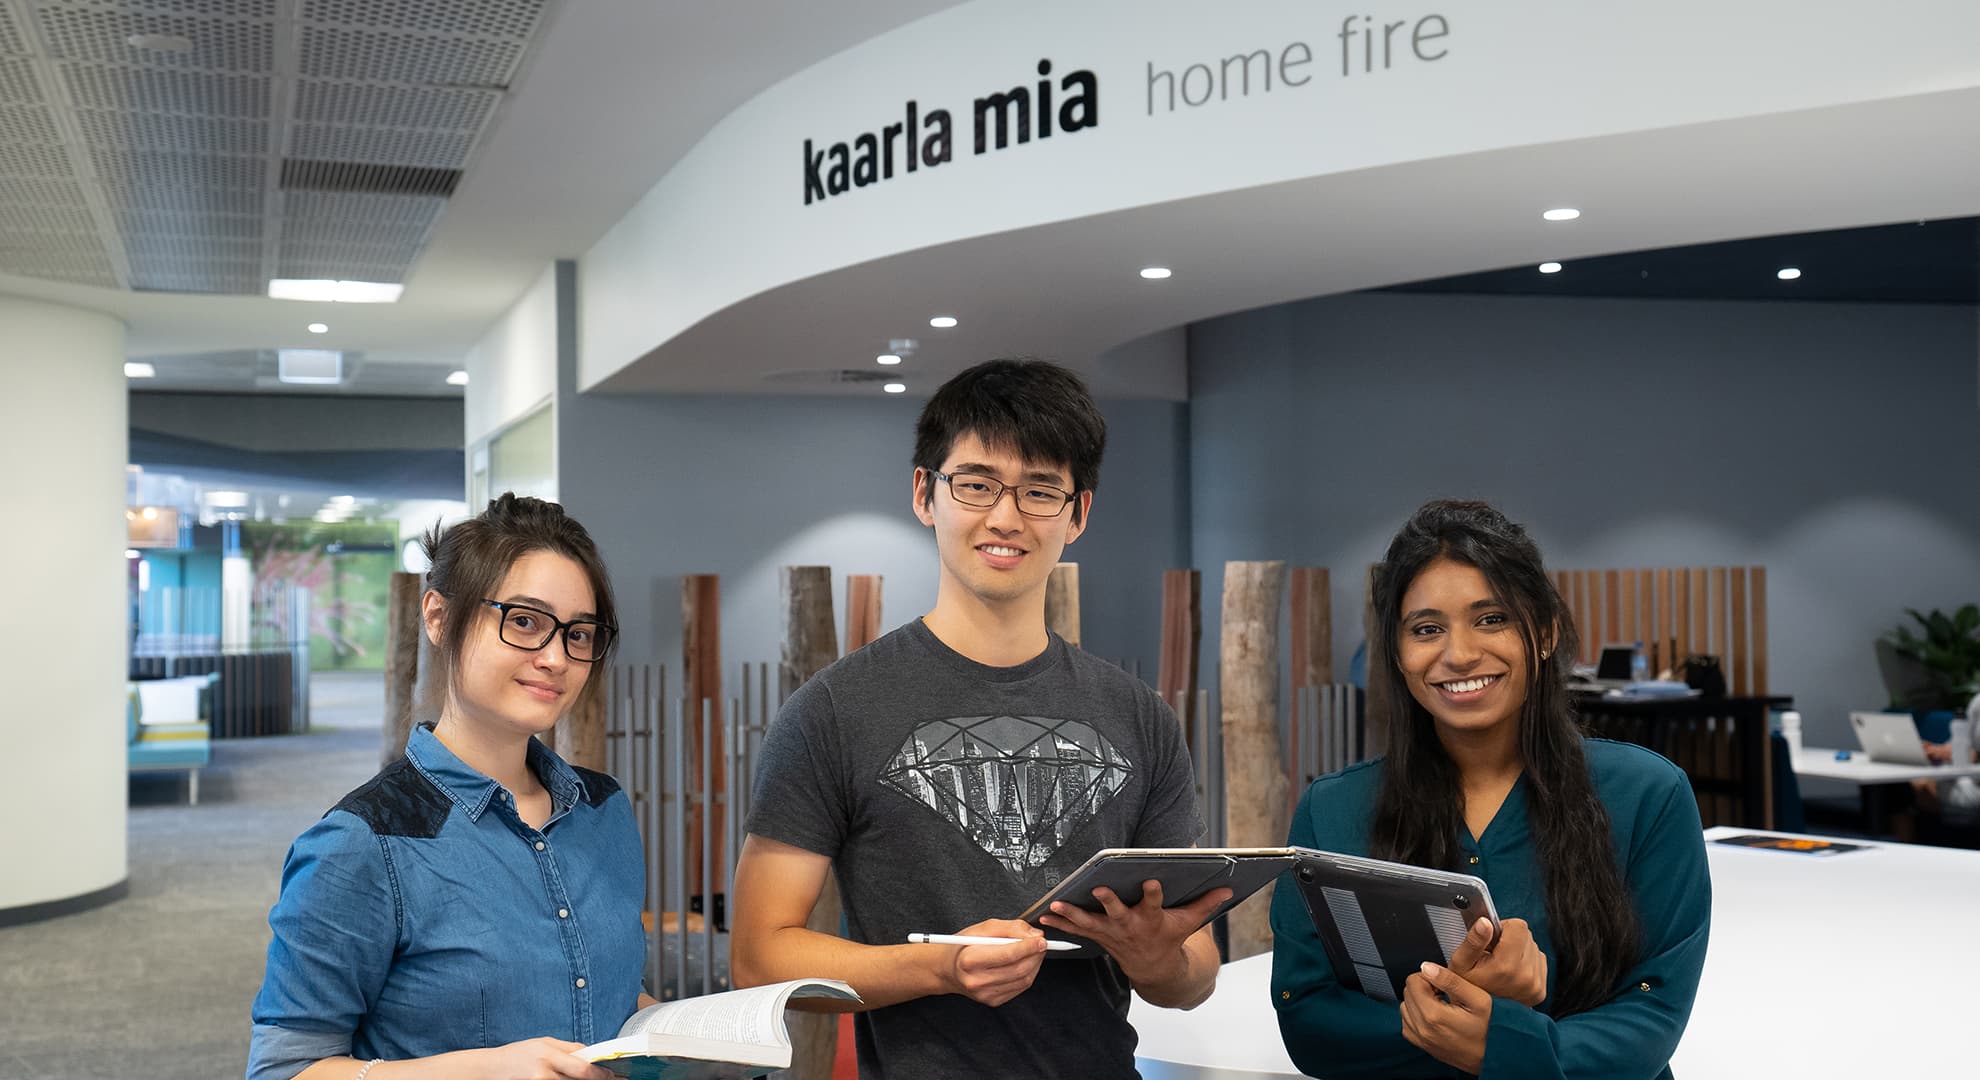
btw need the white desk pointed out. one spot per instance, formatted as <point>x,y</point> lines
<point>1877,789</point>
<point>1859,769</point>
<point>1840,967</point>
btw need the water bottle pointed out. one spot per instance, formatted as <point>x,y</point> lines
<point>1639,665</point>
<point>1791,731</point>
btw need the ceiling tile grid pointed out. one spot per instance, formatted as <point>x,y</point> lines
<point>207,145</point>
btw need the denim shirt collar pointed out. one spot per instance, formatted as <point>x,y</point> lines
<point>472,791</point>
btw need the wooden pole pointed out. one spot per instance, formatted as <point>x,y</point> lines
<point>1062,602</point>
<point>580,734</point>
<point>862,610</point>
<point>1255,786</point>
<point>403,635</point>
<point>701,665</point>
<point>1182,640</point>
<point>1312,652</point>
<point>804,596</point>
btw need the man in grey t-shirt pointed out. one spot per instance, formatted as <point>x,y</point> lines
<point>956,769</point>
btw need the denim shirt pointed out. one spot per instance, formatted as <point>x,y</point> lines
<point>421,915</point>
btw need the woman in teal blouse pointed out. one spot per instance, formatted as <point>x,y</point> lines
<point>1592,849</point>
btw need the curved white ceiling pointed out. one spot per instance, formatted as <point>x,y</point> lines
<point>1668,124</point>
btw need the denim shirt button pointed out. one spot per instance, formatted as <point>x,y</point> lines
<point>539,845</point>
<point>563,913</point>
<point>580,984</point>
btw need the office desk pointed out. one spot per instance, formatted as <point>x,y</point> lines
<point>1875,780</point>
<point>1819,967</point>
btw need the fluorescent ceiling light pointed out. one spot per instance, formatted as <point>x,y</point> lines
<point>1550,268</point>
<point>344,500</point>
<point>319,328</point>
<point>226,498</point>
<point>888,359</point>
<point>942,322</point>
<point>457,378</point>
<point>309,366</point>
<point>336,292</point>
<point>167,43</point>
<point>1788,273</point>
<point>1155,273</point>
<point>1563,213</point>
<point>138,370</point>
<point>895,388</point>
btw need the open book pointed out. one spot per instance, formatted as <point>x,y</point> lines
<point>737,1034</point>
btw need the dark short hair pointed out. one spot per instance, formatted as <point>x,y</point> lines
<point>1035,408</point>
<point>469,560</point>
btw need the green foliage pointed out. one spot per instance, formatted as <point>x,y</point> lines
<point>1949,651</point>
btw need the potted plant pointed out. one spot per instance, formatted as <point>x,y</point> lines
<point>1938,668</point>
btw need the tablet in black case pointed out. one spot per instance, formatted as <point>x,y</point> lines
<point>1381,921</point>
<point>1185,874</point>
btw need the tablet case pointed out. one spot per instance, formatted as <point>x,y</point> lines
<point>1380,921</point>
<point>1185,874</point>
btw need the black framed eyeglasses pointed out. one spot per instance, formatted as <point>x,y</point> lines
<point>529,628</point>
<point>982,492</point>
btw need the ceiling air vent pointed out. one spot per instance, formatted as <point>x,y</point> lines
<point>299,175</point>
<point>828,376</point>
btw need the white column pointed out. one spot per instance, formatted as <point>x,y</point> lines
<point>63,431</point>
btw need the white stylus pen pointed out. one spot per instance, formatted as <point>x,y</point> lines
<point>971,939</point>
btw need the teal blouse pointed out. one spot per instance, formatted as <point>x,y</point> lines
<point>1340,1034</point>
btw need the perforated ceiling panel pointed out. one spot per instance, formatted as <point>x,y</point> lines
<point>209,145</point>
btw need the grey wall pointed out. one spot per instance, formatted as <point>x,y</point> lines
<point>1833,444</point>
<point>742,485</point>
<point>278,423</point>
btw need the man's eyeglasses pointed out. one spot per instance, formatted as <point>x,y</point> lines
<point>585,640</point>
<point>1033,500</point>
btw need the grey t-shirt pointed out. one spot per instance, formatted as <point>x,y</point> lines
<point>947,792</point>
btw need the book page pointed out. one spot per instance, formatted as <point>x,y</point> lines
<point>754,1016</point>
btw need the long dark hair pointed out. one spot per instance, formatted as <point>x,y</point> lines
<point>1419,814</point>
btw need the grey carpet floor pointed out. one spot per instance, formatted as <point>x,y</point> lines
<point>157,985</point>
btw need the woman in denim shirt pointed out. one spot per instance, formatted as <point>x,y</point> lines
<point>472,911</point>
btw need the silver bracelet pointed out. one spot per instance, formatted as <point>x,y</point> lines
<point>368,1066</point>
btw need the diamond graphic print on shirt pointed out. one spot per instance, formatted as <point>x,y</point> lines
<point>1019,787</point>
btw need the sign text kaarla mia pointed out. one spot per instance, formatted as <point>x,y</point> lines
<point>926,139</point>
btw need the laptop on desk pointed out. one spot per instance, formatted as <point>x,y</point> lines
<point>1612,671</point>
<point>1891,738</point>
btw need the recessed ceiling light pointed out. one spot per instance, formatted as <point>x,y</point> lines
<point>139,370</point>
<point>1562,213</point>
<point>1788,273</point>
<point>887,358</point>
<point>336,292</point>
<point>895,388</point>
<point>319,328</point>
<point>169,43</point>
<point>457,378</point>
<point>942,322</point>
<point>1155,273</point>
<point>1550,268</point>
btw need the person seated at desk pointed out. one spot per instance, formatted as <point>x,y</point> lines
<point>1592,849</point>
